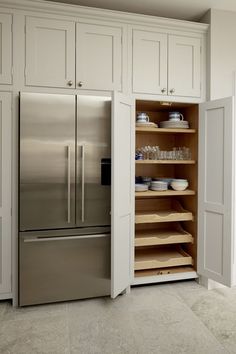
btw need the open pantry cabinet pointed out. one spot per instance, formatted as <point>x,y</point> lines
<point>170,235</point>
<point>184,234</point>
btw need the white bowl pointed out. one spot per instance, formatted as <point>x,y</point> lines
<point>179,186</point>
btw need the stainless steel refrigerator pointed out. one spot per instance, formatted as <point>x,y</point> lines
<point>64,197</point>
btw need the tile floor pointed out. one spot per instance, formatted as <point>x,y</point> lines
<point>176,318</point>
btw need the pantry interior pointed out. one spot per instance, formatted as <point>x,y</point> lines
<point>165,243</point>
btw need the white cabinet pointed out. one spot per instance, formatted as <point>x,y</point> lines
<point>122,217</point>
<point>50,52</point>
<point>195,227</point>
<point>98,57</point>
<point>166,64</point>
<point>184,66</point>
<point>216,191</point>
<point>149,62</point>
<point>65,54</point>
<point>5,194</point>
<point>5,49</point>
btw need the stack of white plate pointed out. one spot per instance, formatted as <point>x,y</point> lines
<point>141,187</point>
<point>159,186</point>
<point>168,124</point>
<point>147,125</point>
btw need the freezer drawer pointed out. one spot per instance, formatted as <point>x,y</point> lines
<point>58,268</point>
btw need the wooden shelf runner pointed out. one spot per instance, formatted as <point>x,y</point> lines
<point>168,193</point>
<point>149,258</point>
<point>164,130</point>
<point>162,162</point>
<point>163,271</point>
<point>170,210</point>
<point>162,237</point>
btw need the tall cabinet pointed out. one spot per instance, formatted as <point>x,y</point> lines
<point>5,194</point>
<point>186,234</point>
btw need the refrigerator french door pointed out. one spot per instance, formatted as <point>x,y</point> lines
<point>64,197</point>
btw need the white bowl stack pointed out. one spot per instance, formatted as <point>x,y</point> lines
<point>159,186</point>
<point>168,124</point>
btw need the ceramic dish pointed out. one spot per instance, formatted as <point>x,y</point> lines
<point>179,185</point>
<point>147,125</point>
<point>141,187</point>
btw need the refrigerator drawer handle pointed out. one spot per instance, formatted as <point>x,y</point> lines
<point>63,238</point>
<point>68,184</point>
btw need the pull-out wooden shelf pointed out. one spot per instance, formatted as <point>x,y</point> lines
<point>164,130</point>
<point>165,162</point>
<point>169,210</point>
<point>148,258</point>
<point>168,193</point>
<point>162,237</point>
<point>163,271</point>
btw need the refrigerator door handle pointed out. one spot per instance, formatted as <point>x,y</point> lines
<point>63,238</point>
<point>68,184</point>
<point>82,181</point>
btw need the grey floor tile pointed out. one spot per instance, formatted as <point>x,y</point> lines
<point>35,336</point>
<point>31,312</point>
<point>101,332</point>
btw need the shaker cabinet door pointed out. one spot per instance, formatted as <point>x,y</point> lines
<point>184,66</point>
<point>122,213</point>
<point>5,49</point>
<point>149,62</point>
<point>50,52</point>
<point>98,57</point>
<point>5,194</point>
<point>216,191</point>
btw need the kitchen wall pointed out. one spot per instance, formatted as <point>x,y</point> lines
<point>221,53</point>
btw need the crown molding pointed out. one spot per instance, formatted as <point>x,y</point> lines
<point>103,14</point>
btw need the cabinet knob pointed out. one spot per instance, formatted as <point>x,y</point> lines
<point>172,90</point>
<point>70,83</point>
<point>80,83</point>
<point>163,90</point>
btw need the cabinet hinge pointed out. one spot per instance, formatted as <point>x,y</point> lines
<point>25,29</point>
<point>12,27</point>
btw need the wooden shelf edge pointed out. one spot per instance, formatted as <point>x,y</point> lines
<point>159,237</point>
<point>164,278</point>
<point>168,193</point>
<point>162,162</point>
<point>155,258</point>
<point>164,130</point>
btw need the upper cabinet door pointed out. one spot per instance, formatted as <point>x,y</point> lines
<point>5,49</point>
<point>5,193</point>
<point>123,120</point>
<point>184,66</point>
<point>216,198</point>
<point>149,62</point>
<point>98,57</point>
<point>50,52</point>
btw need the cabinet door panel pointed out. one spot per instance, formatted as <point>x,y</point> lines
<point>98,57</point>
<point>5,49</point>
<point>5,193</point>
<point>216,199</point>
<point>50,52</point>
<point>149,62</point>
<point>184,66</point>
<point>123,119</point>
